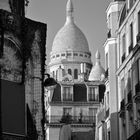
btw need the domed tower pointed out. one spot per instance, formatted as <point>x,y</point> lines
<point>97,73</point>
<point>70,48</point>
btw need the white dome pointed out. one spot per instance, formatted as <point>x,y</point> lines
<point>70,37</point>
<point>97,71</point>
<point>70,47</point>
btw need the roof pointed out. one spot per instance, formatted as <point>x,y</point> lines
<point>79,90</point>
<point>89,135</point>
<point>57,93</point>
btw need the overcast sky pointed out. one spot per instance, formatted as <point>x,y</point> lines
<point>89,15</point>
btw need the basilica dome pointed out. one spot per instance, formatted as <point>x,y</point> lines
<point>70,48</point>
<point>70,37</point>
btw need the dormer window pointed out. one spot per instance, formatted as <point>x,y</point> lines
<point>67,94</point>
<point>93,94</point>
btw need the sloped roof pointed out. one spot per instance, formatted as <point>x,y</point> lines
<point>80,92</point>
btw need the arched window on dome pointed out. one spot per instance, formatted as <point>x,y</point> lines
<point>69,71</point>
<point>75,73</point>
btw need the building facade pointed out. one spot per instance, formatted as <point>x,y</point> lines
<point>123,22</point>
<point>128,70</point>
<point>107,116</point>
<point>22,60</point>
<point>75,98</point>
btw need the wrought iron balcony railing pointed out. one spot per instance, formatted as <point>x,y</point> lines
<point>137,124</point>
<point>71,119</point>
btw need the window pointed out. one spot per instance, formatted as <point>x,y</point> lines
<point>75,73</point>
<point>92,114</point>
<point>107,100</point>
<point>130,3</point>
<point>67,111</point>
<point>131,38</point>
<point>53,73</point>
<point>81,55</point>
<point>129,81</point>
<point>69,71</point>
<point>122,88</point>
<point>131,33</point>
<point>136,72</point>
<point>138,21</point>
<point>123,47</point>
<point>93,95</point>
<point>106,60</point>
<point>123,44</point>
<point>67,95</point>
<point>109,137</point>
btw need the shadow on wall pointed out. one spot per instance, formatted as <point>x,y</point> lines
<point>90,135</point>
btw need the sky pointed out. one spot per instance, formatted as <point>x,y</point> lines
<point>89,16</point>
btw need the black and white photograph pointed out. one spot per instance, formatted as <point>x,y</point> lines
<point>69,69</point>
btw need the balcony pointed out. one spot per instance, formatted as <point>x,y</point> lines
<point>130,47</point>
<point>129,101</point>
<point>138,37</point>
<point>137,93</point>
<point>67,97</point>
<point>123,57</point>
<point>137,124</point>
<point>71,119</point>
<point>122,109</point>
